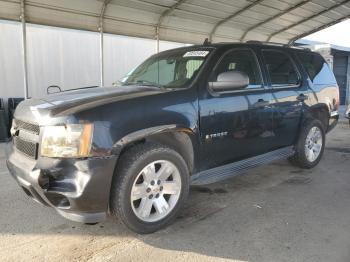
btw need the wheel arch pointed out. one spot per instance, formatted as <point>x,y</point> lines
<point>319,111</point>
<point>181,139</point>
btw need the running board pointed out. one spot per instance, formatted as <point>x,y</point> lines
<point>230,170</point>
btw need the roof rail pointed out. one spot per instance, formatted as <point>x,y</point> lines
<point>256,42</point>
<point>276,44</point>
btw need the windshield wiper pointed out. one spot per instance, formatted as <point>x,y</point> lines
<point>144,83</point>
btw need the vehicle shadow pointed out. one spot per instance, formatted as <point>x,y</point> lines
<point>219,220</point>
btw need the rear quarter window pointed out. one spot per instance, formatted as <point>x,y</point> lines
<point>317,69</point>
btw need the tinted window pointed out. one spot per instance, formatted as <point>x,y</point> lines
<point>317,69</point>
<point>243,61</point>
<point>280,68</point>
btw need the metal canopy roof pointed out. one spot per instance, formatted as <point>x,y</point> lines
<point>188,21</point>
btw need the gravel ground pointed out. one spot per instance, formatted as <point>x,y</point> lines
<point>273,213</point>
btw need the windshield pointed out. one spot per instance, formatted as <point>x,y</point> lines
<point>170,70</point>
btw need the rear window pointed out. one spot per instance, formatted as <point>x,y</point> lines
<point>317,68</point>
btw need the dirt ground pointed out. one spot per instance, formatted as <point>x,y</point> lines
<point>273,213</point>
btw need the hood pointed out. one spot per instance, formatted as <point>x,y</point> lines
<point>69,102</point>
<point>84,95</point>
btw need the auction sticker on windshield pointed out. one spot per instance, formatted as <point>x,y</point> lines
<point>196,53</point>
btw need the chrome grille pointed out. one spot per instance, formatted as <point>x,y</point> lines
<point>27,126</point>
<point>26,138</point>
<point>28,148</point>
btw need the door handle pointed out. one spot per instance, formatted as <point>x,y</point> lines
<point>261,103</point>
<point>302,97</point>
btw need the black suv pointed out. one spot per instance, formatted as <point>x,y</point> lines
<point>192,115</point>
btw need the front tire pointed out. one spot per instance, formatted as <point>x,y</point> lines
<point>310,145</point>
<point>149,187</point>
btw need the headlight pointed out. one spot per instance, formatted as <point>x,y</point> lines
<point>72,140</point>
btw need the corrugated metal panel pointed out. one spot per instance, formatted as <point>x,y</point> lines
<point>11,70</point>
<point>340,71</point>
<point>68,58</point>
<point>191,21</point>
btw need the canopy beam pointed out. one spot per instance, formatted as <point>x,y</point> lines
<point>286,11</point>
<point>319,29</point>
<point>237,13</point>
<point>166,13</point>
<point>308,19</point>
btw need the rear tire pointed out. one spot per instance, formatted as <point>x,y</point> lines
<point>310,146</point>
<point>149,187</point>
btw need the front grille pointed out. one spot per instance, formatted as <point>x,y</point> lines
<point>33,128</point>
<point>26,137</point>
<point>28,148</point>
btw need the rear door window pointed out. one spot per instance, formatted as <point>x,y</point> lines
<point>317,68</point>
<point>281,69</point>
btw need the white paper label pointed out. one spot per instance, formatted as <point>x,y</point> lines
<point>196,53</point>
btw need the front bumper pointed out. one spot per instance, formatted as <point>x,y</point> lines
<point>78,189</point>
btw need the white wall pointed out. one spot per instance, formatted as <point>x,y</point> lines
<point>11,67</point>
<point>124,53</point>
<point>56,56</point>
<point>65,57</point>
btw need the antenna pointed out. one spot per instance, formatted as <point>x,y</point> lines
<point>206,42</point>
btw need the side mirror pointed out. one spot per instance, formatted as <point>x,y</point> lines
<point>228,81</point>
<point>117,83</point>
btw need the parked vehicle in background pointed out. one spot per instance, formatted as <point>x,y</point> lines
<point>192,115</point>
<point>347,113</point>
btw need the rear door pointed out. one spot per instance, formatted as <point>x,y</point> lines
<point>290,93</point>
<point>235,124</point>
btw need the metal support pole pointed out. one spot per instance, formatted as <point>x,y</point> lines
<point>157,37</point>
<point>100,29</point>
<point>101,57</point>
<point>24,49</point>
<point>166,13</point>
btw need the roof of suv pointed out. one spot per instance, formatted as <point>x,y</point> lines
<point>255,43</point>
<point>249,43</point>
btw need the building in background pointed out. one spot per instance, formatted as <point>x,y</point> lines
<point>338,58</point>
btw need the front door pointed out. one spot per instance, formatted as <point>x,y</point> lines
<point>235,124</point>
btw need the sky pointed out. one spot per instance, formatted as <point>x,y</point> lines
<point>338,34</point>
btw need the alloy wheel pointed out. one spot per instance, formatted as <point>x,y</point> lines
<point>313,144</point>
<point>155,191</point>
